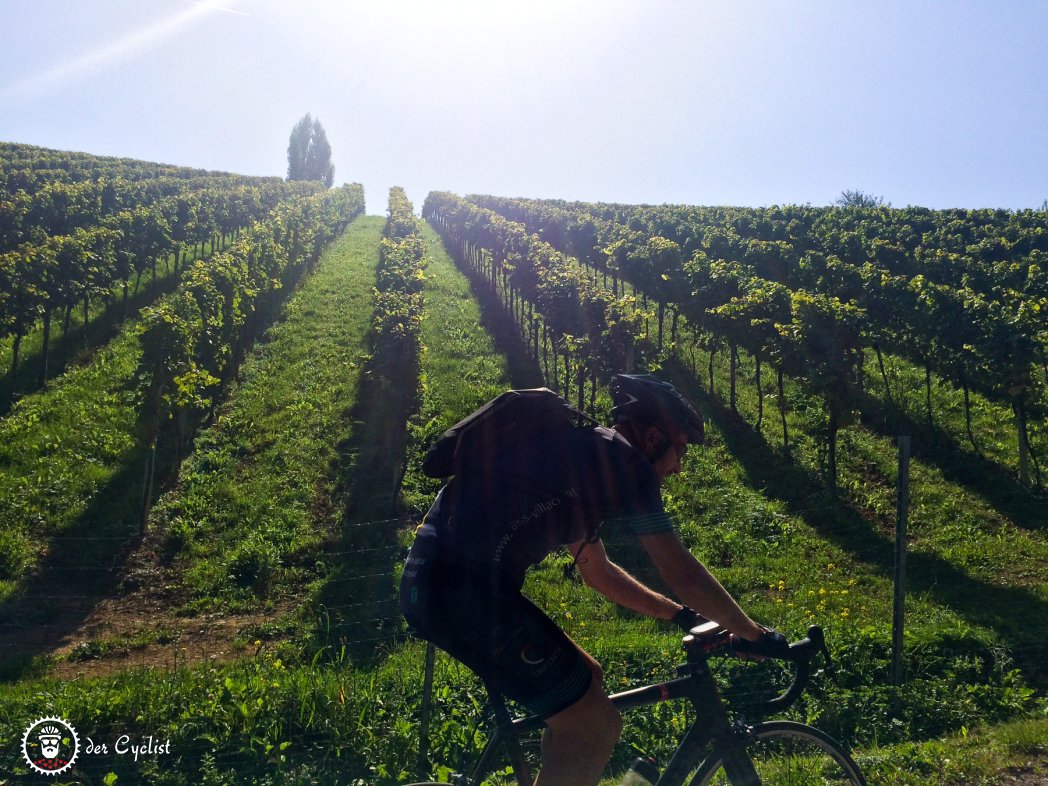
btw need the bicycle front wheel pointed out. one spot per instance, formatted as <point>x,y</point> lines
<point>781,753</point>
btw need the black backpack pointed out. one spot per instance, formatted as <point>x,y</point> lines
<point>501,422</point>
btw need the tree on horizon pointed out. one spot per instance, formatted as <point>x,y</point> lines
<point>859,198</point>
<point>309,153</point>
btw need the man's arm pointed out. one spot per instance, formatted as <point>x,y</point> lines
<point>695,585</point>
<point>617,585</point>
<point>686,576</point>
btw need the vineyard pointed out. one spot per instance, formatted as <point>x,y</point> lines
<point>216,392</point>
<point>962,296</point>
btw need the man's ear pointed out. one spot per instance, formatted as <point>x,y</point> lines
<point>652,439</point>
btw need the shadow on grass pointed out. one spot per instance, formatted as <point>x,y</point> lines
<point>1018,615</point>
<point>523,368</point>
<point>83,563</point>
<point>358,608</point>
<point>359,598</point>
<point>997,485</point>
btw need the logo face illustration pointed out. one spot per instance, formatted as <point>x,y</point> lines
<point>50,746</point>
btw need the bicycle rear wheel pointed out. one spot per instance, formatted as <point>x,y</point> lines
<point>782,753</point>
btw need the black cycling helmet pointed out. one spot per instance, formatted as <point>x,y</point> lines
<point>651,400</point>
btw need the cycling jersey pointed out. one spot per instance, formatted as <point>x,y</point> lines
<point>544,492</point>
<point>462,579</point>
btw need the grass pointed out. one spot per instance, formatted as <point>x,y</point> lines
<point>253,510</point>
<point>461,368</point>
<point>97,648</point>
<point>264,720</point>
<point>976,757</point>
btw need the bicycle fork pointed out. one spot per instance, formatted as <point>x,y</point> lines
<point>738,766</point>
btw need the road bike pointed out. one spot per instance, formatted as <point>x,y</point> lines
<point>717,749</point>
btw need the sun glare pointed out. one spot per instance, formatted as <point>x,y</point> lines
<point>62,75</point>
<point>474,24</point>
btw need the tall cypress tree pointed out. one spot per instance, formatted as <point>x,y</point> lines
<point>309,152</point>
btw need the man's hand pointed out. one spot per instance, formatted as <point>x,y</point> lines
<point>689,580</point>
<point>687,618</point>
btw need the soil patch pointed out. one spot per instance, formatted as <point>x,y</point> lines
<point>135,625</point>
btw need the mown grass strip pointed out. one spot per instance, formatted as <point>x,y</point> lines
<point>254,501</point>
<point>461,369</point>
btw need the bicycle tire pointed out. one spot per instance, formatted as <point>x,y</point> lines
<point>785,753</point>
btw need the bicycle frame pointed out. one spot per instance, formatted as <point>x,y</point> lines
<point>697,686</point>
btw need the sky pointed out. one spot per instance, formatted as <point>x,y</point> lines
<point>741,102</point>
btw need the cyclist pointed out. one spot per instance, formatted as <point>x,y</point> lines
<point>463,577</point>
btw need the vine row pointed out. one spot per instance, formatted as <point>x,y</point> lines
<point>194,341</point>
<point>561,314</point>
<point>62,271</point>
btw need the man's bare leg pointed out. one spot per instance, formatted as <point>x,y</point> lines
<point>578,741</point>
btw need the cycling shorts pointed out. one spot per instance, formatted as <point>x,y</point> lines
<point>492,628</point>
